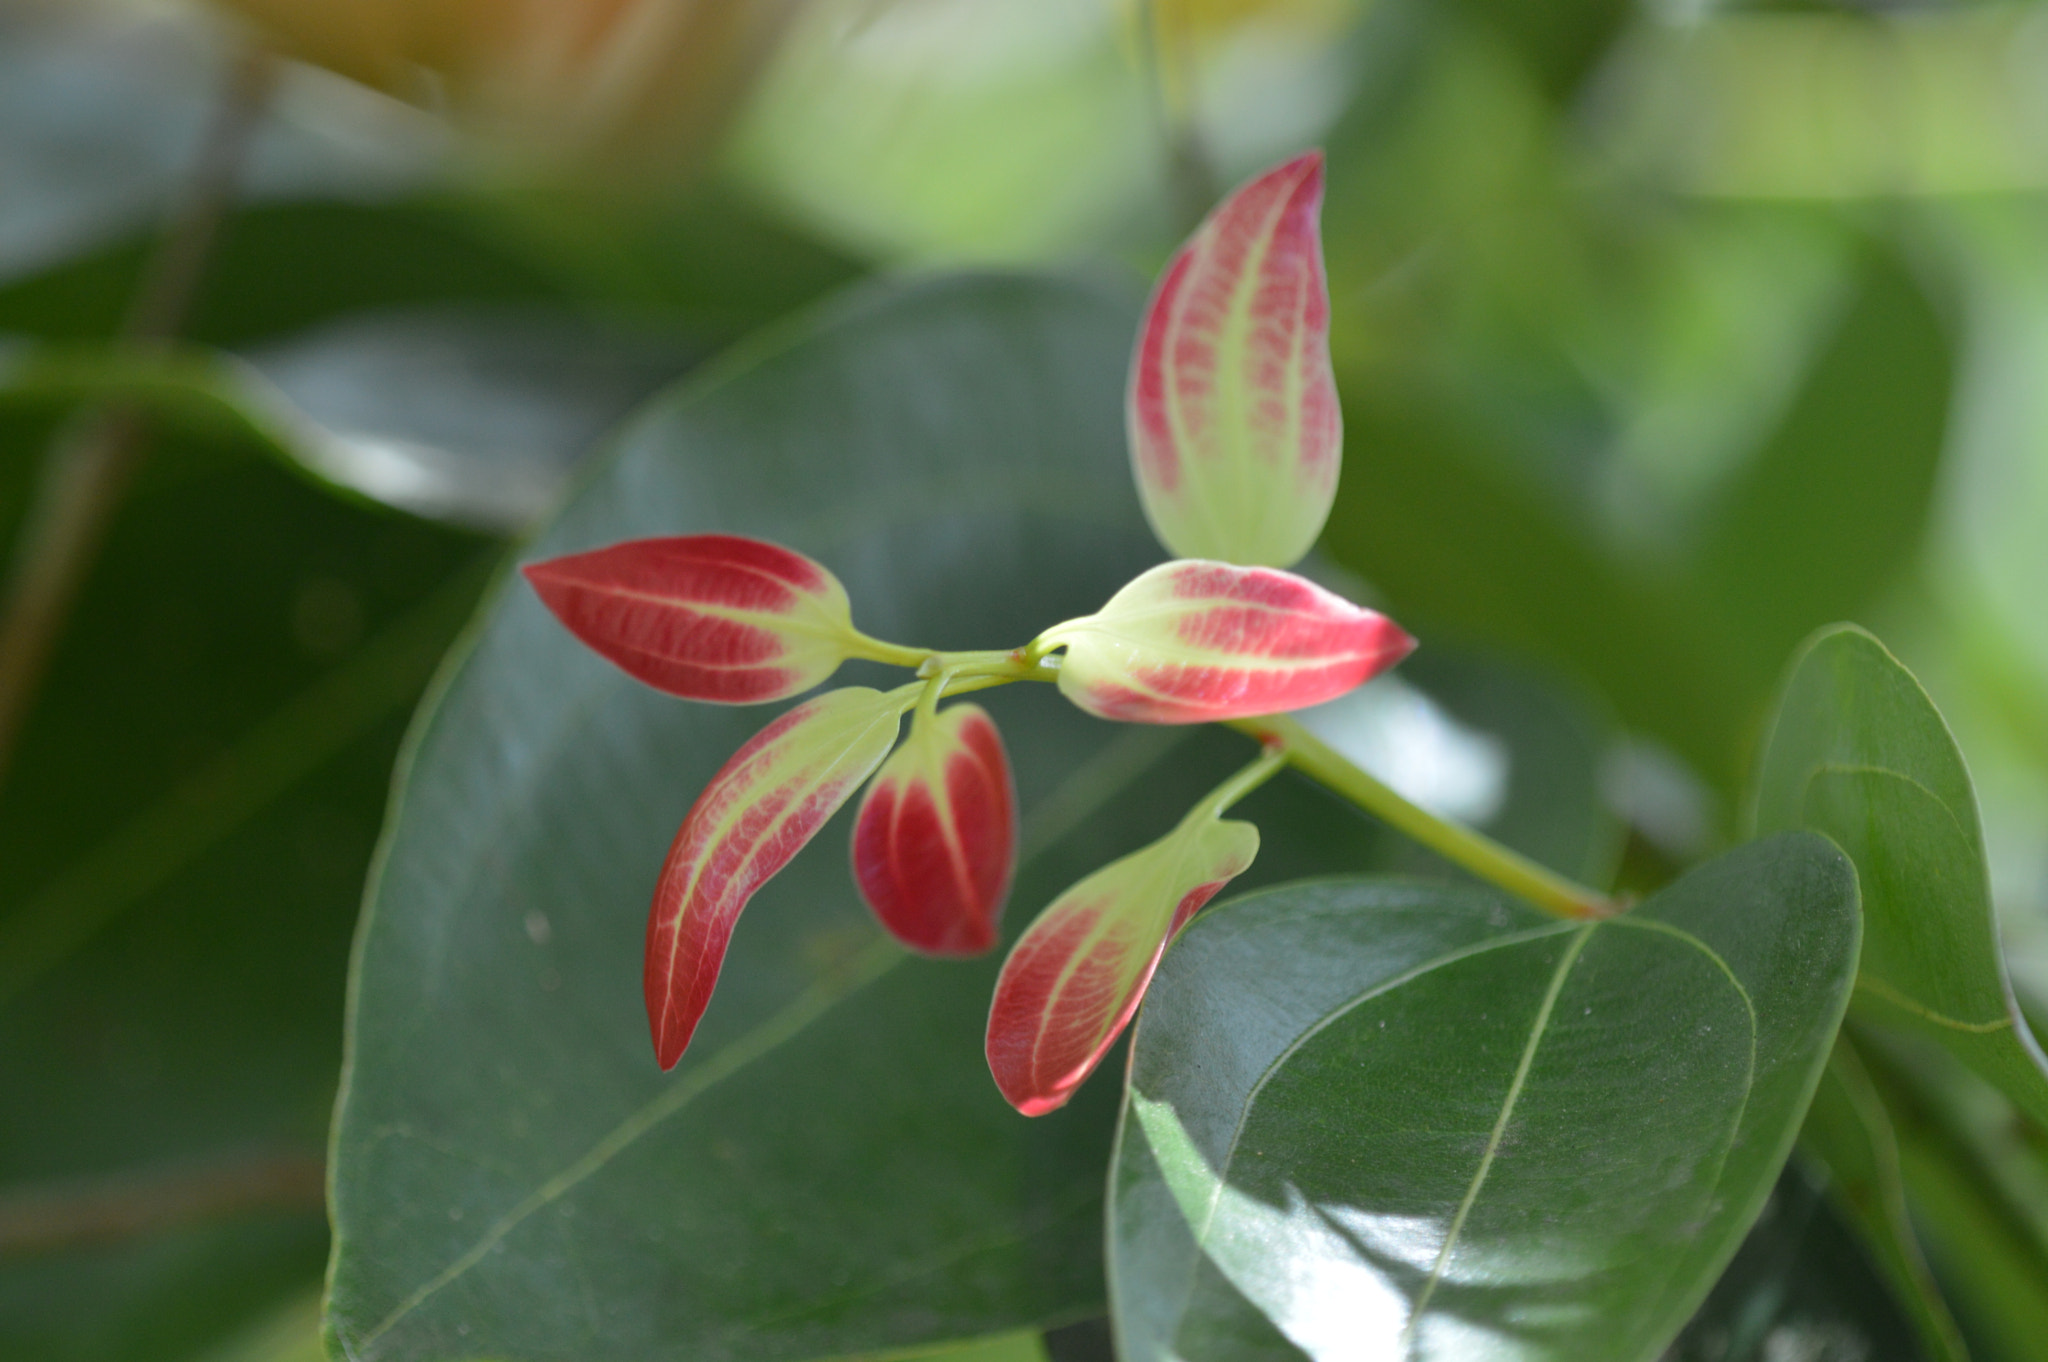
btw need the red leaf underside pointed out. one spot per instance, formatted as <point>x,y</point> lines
<point>1065,996</point>
<point>745,827</point>
<point>1265,234</point>
<point>694,615</point>
<point>935,865</point>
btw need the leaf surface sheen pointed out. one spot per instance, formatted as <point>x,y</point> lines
<point>1388,1119</point>
<point>830,1170</point>
<point>1859,752</point>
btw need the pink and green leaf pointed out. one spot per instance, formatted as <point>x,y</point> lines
<point>708,616</point>
<point>757,813</point>
<point>1194,642</point>
<point>935,842</point>
<point>1232,410</point>
<point>1075,978</point>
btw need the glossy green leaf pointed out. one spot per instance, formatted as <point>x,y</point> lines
<point>1383,1118</point>
<point>830,1169</point>
<point>1859,752</point>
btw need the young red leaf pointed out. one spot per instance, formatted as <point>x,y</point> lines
<point>756,813</point>
<point>1192,641</point>
<point>936,838</point>
<point>1076,976</point>
<point>704,616</point>
<point>1234,428</point>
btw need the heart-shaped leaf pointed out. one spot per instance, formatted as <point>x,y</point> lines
<point>1382,1118</point>
<point>1860,753</point>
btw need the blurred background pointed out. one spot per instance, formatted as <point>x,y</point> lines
<point>1667,330</point>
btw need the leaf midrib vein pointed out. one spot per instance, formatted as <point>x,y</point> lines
<point>875,961</point>
<point>1279,1061</point>
<point>1500,1126</point>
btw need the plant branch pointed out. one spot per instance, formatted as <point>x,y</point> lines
<point>92,459</point>
<point>1481,855</point>
<point>79,1213</point>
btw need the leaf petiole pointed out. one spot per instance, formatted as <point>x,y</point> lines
<point>1484,857</point>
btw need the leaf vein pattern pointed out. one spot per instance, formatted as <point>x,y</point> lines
<point>1899,998</point>
<point>1850,768</point>
<point>1067,806</point>
<point>1385,986</point>
<point>1500,1126</point>
<point>1749,1008</point>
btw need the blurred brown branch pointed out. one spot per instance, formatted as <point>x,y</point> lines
<point>77,1213</point>
<point>92,459</point>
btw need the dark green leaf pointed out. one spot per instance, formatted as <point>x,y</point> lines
<point>1859,752</point>
<point>1379,1113</point>
<point>831,1168</point>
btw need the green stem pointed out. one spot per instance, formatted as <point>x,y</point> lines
<point>894,654</point>
<point>1256,773</point>
<point>988,667</point>
<point>1481,855</point>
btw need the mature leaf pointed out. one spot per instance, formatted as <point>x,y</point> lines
<point>1860,753</point>
<point>935,842</point>
<point>1373,1116</point>
<point>1075,978</point>
<point>1235,431</point>
<point>714,617</point>
<point>1849,1132</point>
<point>752,819</point>
<point>830,1169</point>
<point>1193,642</point>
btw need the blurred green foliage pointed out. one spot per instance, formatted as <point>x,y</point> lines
<point>1666,333</point>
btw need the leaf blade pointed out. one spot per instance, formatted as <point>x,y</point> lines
<point>935,842</point>
<point>751,820</point>
<point>1859,752</point>
<point>1193,641</point>
<point>710,617</point>
<point>1075,978</point>
<point>1235,431</point>
<point>1569,1214</point>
